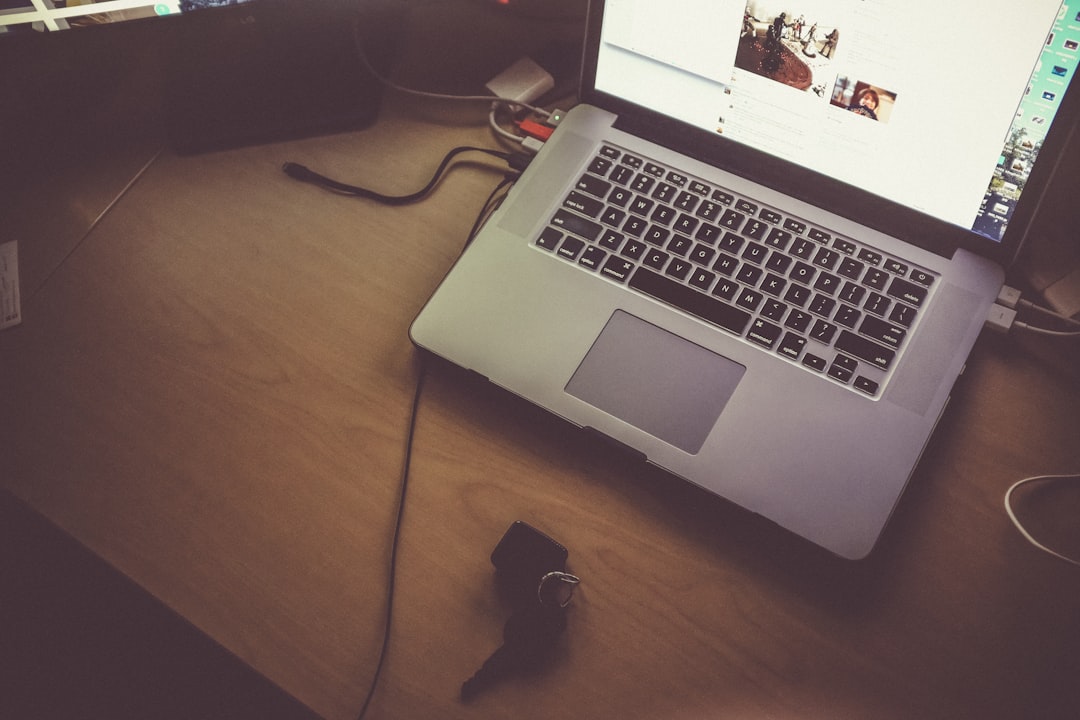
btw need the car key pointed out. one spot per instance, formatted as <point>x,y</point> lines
<point>528,637</point>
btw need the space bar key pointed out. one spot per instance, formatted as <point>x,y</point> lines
<point>707,308</point>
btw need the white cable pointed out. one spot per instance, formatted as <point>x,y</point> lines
<point>499,130</point>
<point>434,95</point>
<point>1048,312</point>
<point>1019,526</point>
<point>1045,331</point>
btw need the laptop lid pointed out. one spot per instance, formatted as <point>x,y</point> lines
<point>938,124</point>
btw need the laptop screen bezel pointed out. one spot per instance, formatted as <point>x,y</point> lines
<point>846,200</point>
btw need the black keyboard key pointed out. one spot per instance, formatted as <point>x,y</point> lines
<point>663,214</point>
<point>799,320</point>
<point>866,385</point>
<point>571,248</point>
<point>750,299</point>
<point>778,238</point>
<point>823,331</point>
<point>641,206</point>
<point>870,256</point>
<point>754,252</point>
<point>726,289</point>
<point>827,283</point>
<point>923,278</point>
<point>656,259</point>
<point>575,224</point>
<point>635,226</point>
<point>731,242</point>
<point>686,224</point>
<point>656,235</point>
<point>877,279</point>
<point>792,346</point>
<point>634,249</point>
<point>797,294</point>
<point>814,362</point>
<point>852,293</point>
<point>707,308</point>
<point>843,368</point>
<point>803,248</point>
<point>702,279</point>
<point>613,216</point>
<point>709,211</point>
<point>593,257</point>
<point>778,263</point>
<point>620,197</point>
<point>847,316</point>
<point>611,240</point>
<point>722,197</point>
<point>796,226</point>
<point>902,315</point>
<point>549,238</point>
<point>746,206</point>
<point>665,192</point>
<point>679,245</point>
<point>884,332</point>
<point>702,254</point>
<point>617,268</point>
<point>725,264</point>
<point>749,274</point>
<point>822,305</point>
<point>642,183</point>
<point>773,310</point>
<point>770,216</point>
<point>764,333</point>
<point>687,201</point>
<point>593,185</point>
<point>896,267</point>
<point>877,304</point>
<point>802,273</point>
<point>826,258</point>
<point>621,174</point>
<point>756,229</point>
<point>866,350</point>
<point>600,166</point>
<point>731,220</point>
<point>909,292</point>
<point>818,235</point>
<point>678,269</point>
<point>707,233</point>
<point>850,268</point>
<point>845,246</point>
<point>773,284</point>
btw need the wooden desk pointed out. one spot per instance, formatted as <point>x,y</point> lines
<point>212,394</point>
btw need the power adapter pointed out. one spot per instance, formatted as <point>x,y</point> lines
<point>522,82</point>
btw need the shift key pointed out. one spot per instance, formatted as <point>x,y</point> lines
<point>866,350</point>
<point>576,225</point>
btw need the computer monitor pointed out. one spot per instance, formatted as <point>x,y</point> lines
<point>238,72</point>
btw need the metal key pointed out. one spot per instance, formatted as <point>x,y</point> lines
<point>528,636</point>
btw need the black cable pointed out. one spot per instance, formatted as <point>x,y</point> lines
<point>485,211</point>
<point>392,568</point>
<point>296,171</point>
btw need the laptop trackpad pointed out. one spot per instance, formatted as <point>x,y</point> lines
<point>656,381</point>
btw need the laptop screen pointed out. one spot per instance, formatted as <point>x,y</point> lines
<point>942,110</point>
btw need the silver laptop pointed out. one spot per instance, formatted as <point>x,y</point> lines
<point>760,250</point>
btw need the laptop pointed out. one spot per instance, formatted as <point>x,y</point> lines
<point>758,252</point>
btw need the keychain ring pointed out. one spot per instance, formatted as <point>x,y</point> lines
<point>558,576</point>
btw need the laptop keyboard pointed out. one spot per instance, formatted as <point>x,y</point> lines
<point>837,307</point>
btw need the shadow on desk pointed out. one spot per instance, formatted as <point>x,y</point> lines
<point>79,640</point>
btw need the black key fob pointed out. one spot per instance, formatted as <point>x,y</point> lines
<point>522,558</point>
